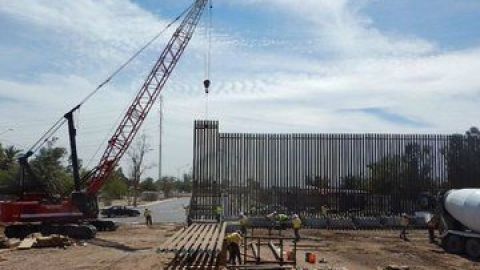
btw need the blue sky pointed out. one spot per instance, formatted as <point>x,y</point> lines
<point>397,66</point>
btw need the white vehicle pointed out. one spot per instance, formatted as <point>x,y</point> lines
<point>460,222</point>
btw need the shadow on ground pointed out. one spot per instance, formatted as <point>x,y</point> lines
<point>115,245</point>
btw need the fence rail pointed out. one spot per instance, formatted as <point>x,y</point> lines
<point>358,174</point>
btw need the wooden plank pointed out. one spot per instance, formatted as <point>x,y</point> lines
<point>186,237</point>
<point>220,238</point>
<point>195,237</point>
<point>27,243</point>
<point>195,247</point>
<point>171,239</point>
<point>208,237</point>
<point>202,238</point>
<point>275,250</point>
<point>202,253</point>
<point>199,259</point>
<point>255,251</point>
<point>171,243</point>
<point>213,241</point>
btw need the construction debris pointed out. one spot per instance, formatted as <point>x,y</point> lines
<point>27,243</point>
<point>52,241</point>
<point>9,243</point>
<point>37,241</point>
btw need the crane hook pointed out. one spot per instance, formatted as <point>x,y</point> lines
<point>206,84</point>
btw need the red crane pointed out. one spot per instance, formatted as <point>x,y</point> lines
<point>76,215</point>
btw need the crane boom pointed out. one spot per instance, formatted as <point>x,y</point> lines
<point>146,97</point>
<point>77,216</point>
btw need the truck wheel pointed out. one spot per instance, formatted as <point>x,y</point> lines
<point>454,244</point>
<point>472,248</point>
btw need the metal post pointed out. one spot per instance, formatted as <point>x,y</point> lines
<point>72,132</point>
<point>295,252</point>
<point>160,139</point>
<point>281,251</point>
<point>258,245</point>
<point>245,245</point>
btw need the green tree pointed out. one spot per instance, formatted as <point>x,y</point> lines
<point>404,176</point>
<point>166,185</point>
<point>148,185</point>
<point>352,182</point>
<point>184,185</point>
<point>8,169</point>
<point>462,157</point>
<point>116,187</point>
<point>384,175</point>
<point>8,157</point>
<point>48,167</point>
<point>318,182</point>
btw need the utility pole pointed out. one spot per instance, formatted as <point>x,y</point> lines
<point>160,126</point>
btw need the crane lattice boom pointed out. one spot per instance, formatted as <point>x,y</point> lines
<point>146,97</point>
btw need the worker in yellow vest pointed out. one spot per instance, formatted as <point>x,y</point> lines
<point>296,224</point>
<point>148,216</point>
<point>219,213</point>
<point>233,245</point>
<point>244,223</point>
<point>404,222</point>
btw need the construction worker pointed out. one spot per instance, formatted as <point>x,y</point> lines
<point>271,218</point>
<point>253,211</point>
<point>296,224</point>
<point>148,216</point>
<point>324,210</point>
<point>244,223</point>
<point>282,221</point>
<point>187,216</point>
<point>233,245</point>
<point>432,225</point>
<point>404,222</point>
<point>218,213</point>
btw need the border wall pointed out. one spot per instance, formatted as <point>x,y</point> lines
<point>348,174</point>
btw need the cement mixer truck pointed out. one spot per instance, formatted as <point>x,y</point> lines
<point>460,221</point>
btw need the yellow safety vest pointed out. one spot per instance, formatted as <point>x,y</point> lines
<point>244,221</point>
<point>234,238</point>
<point>297,223</point>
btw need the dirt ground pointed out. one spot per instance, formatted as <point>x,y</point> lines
<point>361,250</point>
<point>134,247</point>
<point>130,247</point>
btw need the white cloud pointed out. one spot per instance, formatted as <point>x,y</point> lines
<point>253,90</point>
<point>340,27</point>
<point>94,29</point>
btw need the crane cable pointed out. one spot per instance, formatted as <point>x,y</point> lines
<point>208,54</point>
<point>60,122</point>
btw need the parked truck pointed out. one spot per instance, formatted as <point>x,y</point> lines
<point>460,221</point>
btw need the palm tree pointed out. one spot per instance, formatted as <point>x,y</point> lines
<point>8,156</point>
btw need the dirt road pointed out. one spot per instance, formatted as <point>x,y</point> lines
<point>169,210</point>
